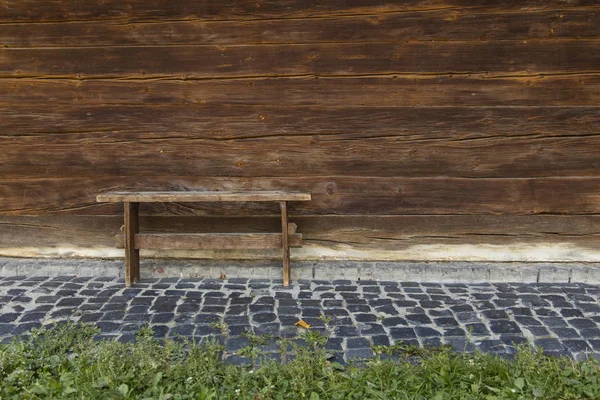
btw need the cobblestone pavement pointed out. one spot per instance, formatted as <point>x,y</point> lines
<point>562,319</point>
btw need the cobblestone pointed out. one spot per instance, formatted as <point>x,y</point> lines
<point>561,319</point>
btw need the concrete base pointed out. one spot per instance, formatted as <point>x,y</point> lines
<point>446,272</point>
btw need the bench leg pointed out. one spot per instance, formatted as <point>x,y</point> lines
<point>132,256</point>
<point>284,244</point>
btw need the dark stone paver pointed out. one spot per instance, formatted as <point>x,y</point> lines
<point>561,319</point>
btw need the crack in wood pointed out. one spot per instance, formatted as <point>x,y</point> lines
<point>277,44</point>
<point>434,76</point>
<point>405,75</point>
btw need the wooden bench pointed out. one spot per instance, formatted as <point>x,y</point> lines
<point>132,240</point>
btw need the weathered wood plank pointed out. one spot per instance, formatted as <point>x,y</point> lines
<point>525,238</point>
<point>330,195</point>
<point>285,243</point>
<point>39,10</point>
<point>442,25</point>
<point>387,91</point>
<point>221,122</point>
<point>191,196</point>
<point>486,157</point>
<point>193,241</point>
<point>182,103</point>
<point>132,254</point>
<point>93,231</point>
<point>514,58</point>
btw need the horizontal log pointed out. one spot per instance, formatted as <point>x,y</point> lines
<point>221,122</point>
<point>195,241</point>
<point>90,231</point>
<point>514,58</point>
<point>39,10</point>
<point>87,230</point>
<point>387,91</point>
<point>330,195</point>
<point>182,197</point>
<point>486,157</point>
<point>443,25</point>
<point>526,238</point>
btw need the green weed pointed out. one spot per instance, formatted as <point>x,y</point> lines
<point>65,362</point>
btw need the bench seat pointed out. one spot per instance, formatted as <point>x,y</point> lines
<point>191,197</point>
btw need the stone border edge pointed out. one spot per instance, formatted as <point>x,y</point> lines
<point>440,272</point>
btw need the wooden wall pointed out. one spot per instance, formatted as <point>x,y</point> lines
<point>426,129</point>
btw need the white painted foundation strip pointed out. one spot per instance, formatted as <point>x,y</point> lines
<point>563,252</point>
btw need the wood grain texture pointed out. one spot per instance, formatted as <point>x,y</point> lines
<point>376,92</point>
<point>210,61</point>
<point>330,195</point>
<point>195,241</point>
<point>285,243</point>
<point>119,124</point>
<point>379,237</point>
<point>71,10</point>
<point>132,254</point>
<point>423,128</point>
<point>440,25</point>
<point>203,196</point>
<point>296,156</point>
<point>374,230</point>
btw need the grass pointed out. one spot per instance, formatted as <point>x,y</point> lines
<point>65,362</point>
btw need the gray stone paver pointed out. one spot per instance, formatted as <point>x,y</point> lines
<point>562,319</point>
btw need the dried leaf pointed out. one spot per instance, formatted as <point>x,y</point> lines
<point>302,324</point>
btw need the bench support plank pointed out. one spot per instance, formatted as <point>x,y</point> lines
<point>196,241</point>
<point>285,244</point>
<point>211,241</point>
<point>132,255</point>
